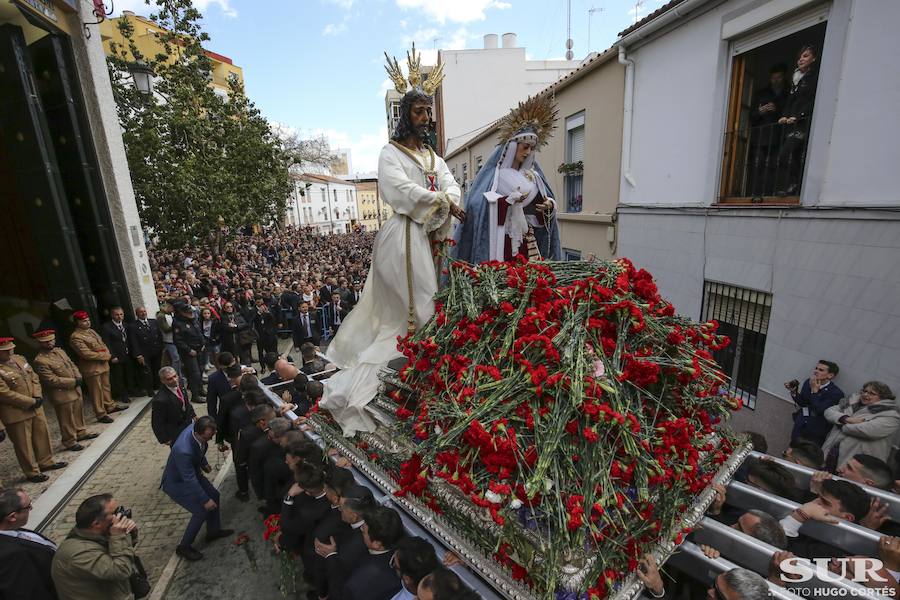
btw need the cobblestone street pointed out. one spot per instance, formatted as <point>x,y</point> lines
<point>131,473</point>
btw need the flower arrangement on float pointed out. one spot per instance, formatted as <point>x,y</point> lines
<point>570,406</point>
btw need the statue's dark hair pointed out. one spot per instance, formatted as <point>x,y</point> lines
<point>404,126</point>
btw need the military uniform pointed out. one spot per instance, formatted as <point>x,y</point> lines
<point>61,380</point>
<point>21,413</point>
<point>94,366</point>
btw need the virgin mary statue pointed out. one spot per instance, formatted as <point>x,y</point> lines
<point>510,208</point>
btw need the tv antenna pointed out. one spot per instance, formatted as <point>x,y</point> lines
<point>637,10</point>
<point>569,42</point>
<point>591,12</point>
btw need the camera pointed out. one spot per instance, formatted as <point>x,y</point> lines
<point>122,512</point>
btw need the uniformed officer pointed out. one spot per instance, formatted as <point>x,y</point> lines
<point>61,381</point>
<point>189,341</point>
<point>94,366</point>
<point>22,414</point>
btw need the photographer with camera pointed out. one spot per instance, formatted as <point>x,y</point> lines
<point>817,394</point>
<point>97,559</point>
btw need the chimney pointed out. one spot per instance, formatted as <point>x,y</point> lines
<point>509,40</point>
<point>490,41</point>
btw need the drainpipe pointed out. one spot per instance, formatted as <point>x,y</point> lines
<point>627,116</point>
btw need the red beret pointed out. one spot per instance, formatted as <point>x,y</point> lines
<point>7,343</point>
<point>44,335</point>
<point>80,315</point>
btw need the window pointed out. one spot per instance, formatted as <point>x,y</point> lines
<point>743,316</point>
<point>764,159</point>
<point>574,165</point>
<point>465,177</point>
<point>324,199</point>
<point>233,77</point>
<point>570,254</point>
<point>478,162</point>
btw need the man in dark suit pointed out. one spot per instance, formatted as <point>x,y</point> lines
<point>248,435</point>
<point>147,347</point>
<point>355,293</point>
<point>325,290</point>
<point>217,384</point>
<point>414,558</point>
<point>306,327</point>
<point>183,481</point>
<point>373,577</point>
<point>121,367</point>
<point>335,312</point>
<point>170,410</point>
<point>818,394</point>
<point>25,556</point>
<point>343,550</point>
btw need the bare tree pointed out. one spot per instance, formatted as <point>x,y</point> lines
<point>305,152</point>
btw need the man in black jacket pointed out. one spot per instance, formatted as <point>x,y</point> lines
<point>248,435</point>
<point>342,550</point>
<point>266,325</point>
<point>306,327</point>
<point>189,341</point>
<point>335,313</point>
<point>217,384</point>
<point>25,556</point>
<point>121,368</point>
<point>373,577</point>
<point>147,347</point>
<point>413,560</point>
<point>170,410</point>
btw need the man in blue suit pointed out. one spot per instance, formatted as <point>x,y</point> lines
<point>183,481</point>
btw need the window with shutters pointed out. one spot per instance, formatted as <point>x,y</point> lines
<point>774,75</point>
<point>573,168</point>
<point>743,315</point>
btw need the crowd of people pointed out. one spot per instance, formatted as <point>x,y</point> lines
<point>847,442</point>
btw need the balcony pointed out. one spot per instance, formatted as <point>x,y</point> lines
<point>764,164</point>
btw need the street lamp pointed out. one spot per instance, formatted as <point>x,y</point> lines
<point>143,77</point>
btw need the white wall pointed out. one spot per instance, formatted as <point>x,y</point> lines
<point>680,97</point>
<point>865,149</point>
<point>481,85</point>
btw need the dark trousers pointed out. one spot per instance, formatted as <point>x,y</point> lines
<point>242,473</point>
<point>791,157</point>
<point>148,373</point>
<point>194,377</point>
<point>245,354</point>
<point>200,515</point>
<point>121,379</point>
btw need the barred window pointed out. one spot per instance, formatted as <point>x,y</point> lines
<point>743,316</point>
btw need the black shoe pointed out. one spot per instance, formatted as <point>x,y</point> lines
<point>118,408</point>
<point>188,553</point>
<point>38,478</point>
<point>75,448</point>
<point>55,466</point>
<point>124,400</point>
<point>242,496</point>
<point>105,419</point>
<point>217,535</point>
<point>194,400</point>
<point>88,436</point>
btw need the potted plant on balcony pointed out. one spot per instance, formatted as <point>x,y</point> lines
<point>572,168</point>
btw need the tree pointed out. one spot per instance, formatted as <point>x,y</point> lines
<point>198,161</point>
<point>306,152</point>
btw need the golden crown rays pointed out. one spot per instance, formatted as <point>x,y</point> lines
<point>537,115</point>
<point>415,80</point>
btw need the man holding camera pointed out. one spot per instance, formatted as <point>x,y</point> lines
<point>817,394</point>
<point>97,560</point>
<point>184,482</point>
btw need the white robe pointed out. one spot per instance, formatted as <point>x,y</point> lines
<point>367,338</point>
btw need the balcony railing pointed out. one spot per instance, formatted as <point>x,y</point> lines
<point>574,191</point>
<point>765,163</point>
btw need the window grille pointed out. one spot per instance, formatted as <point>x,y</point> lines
<point>743,316</point>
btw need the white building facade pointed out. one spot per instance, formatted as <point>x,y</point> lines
<point>326,204</point>
<point>796,253</point>
<point>480,85</point>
